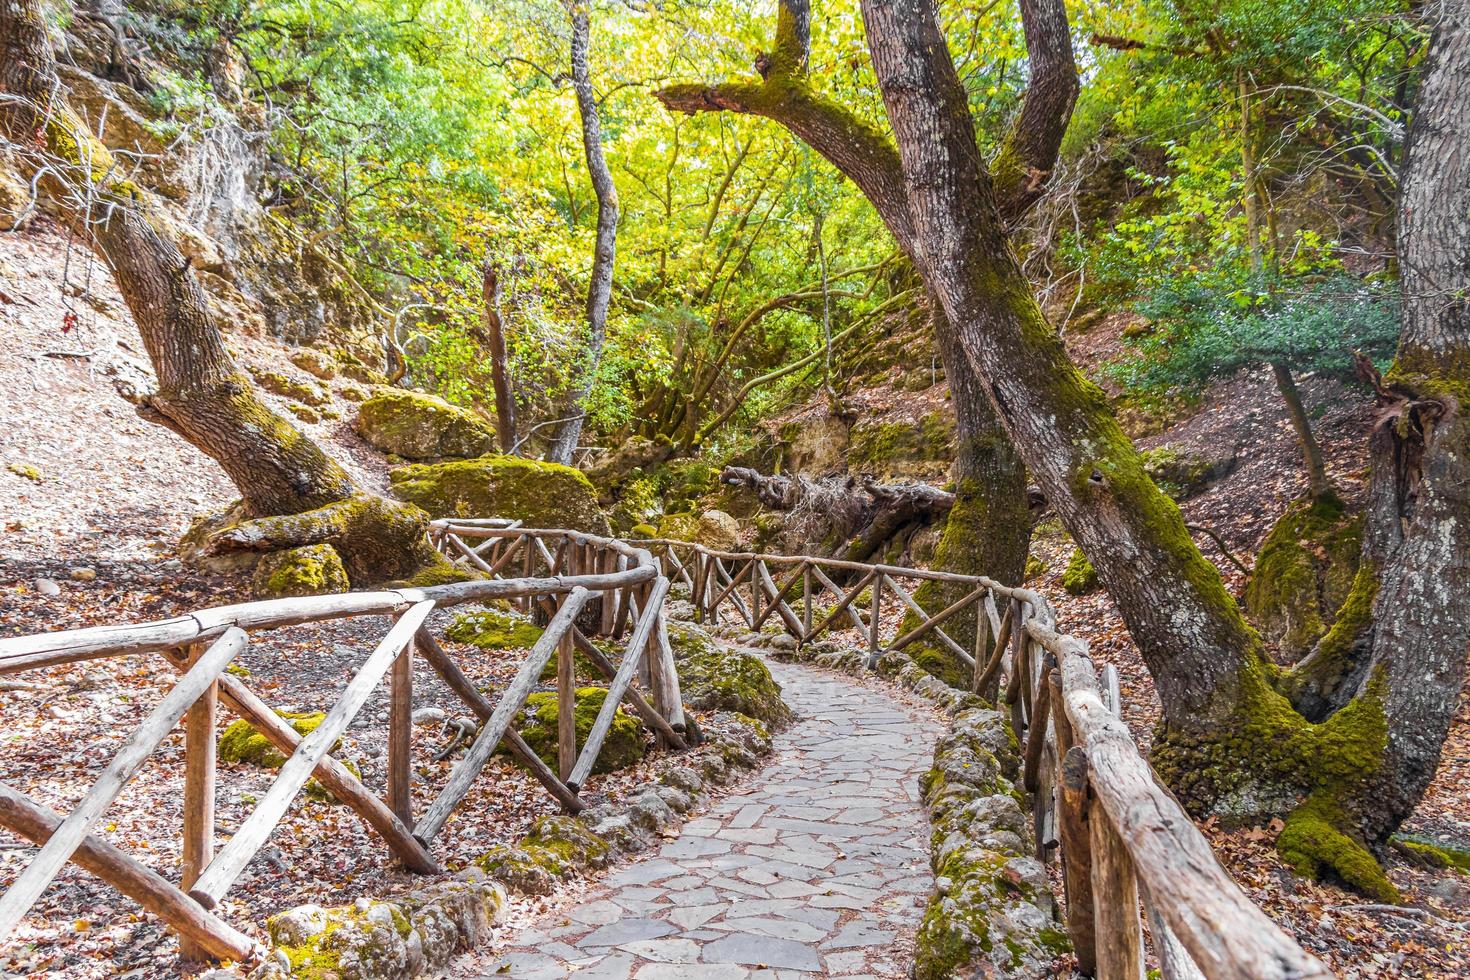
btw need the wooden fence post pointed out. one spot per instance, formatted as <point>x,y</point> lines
<point>873,618</point>
<point>1076,838</point>
<point>566,706</point>
<point>400,736</point>
<point>199,765</point>
<point>1119,935</point>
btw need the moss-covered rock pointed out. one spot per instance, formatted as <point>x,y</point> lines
<point>313,362</point>
<point>305,392</point>
<point>349,365</point>
<point>1304,573</point>
<point>491,630</point>
<point>723,680</point>
<point>414,425</point>
<point>315,569</point>
<point>902,449</point>
<point>242,742</point>
<point>1183,474</point>
<point>543,495</point>
<point>557,847</point>
<point>25,471</point>
<point>305,413</point>
<point>622,747</point>
<point>411,936</point>
<point>943,664</point>
<point>1080,577</point>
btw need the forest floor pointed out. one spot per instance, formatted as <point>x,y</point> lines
<point>112,494</point>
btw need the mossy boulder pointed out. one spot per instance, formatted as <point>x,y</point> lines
<point>414,425</point>
<point>712,528</point>
<point>622,747</point>
<point>722,680</point>
<point>315,569</point>
<point>306,392</point>
<point>313,362</point>
<point>917,449</point>
<point>1183,474</point>
<point>540,495</point>
<point>491,630</point>
<point>941,662</point>
<point>1080,577</point>
<point>556,848</point>
<point>242,742</point>
<point>1304,574</point>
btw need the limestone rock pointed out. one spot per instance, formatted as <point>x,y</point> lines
<point>541,495</point>
<point>622,747</point>
<point>414,425</point>
<point>313,362</point>
<point>722,680</point>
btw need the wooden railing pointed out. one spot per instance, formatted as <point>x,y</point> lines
<point>622,582</point>
<point>1121,838</point>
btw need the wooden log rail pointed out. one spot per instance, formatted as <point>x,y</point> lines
<point>1123,841</point>
<point>561,572</point>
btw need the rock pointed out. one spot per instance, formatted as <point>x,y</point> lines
<point>718,530</point>
<point>25,471</point>
<point>556,847</point>
<point>429,716</point>
<point>47,586</point>
<point>84,573</point>
<point>315,569</point>
<point>306,392</point>
<point>1183,474</point>
<point>418,426</point>
<point>722,680</point>
<point>541,495</point>
<point>94,680</point>
<point>1080,577</point>
<point>817,446</point>
<point>622,747</point>
<point>241,742</point>
<point>313,362</point>
<point>783,641</point>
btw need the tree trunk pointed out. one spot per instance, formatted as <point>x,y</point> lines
<point>201,395</point>
<point>505,401</point>
<point>989,530</point>
<point>599,288</point>
<point>1317,482</point>
<point>1229,740</point>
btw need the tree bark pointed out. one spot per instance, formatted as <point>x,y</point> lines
<point>990,528</point>
<point>505,401</point>
<point>201,394</point>
<point>1229,740</point>
<point>1316,467</point>
<point>599,288</point>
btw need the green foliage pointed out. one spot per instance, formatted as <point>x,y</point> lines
<point>1208,327</point>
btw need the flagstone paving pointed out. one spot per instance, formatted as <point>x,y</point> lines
<point>818,868</point>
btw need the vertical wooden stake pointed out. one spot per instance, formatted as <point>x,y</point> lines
<point>400,735</point>
<point>806,599</point>
<point>755,591</point>
<point>566,706</point>
<point>1119,934</point>
<point>1076,838</point>
<point>199,746</point>
<point>982,645</point>
<point>877,592</point>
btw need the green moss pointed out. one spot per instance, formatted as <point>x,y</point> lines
<point>622,747</point>
<point>25,471</point>
<point>877,446</point>
<point>542,495</point>
<point>1433,374</point>
<point>415,425</point>
<point>311,570</point>
<point>1435,855</point>
<point>1080,577</point>
<point>643,531</point>
<point>722,680</point>
<point>307,393</point>
<point>941,663</point>
<point>491,630</point>
<point>1304,572</point>
<point>242,742</point>
<point>1035,568</point>
<point>1312,844</point>
<point>1179,474</point>
<point>1334,661</point>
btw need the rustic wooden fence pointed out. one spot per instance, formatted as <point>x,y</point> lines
<point>564,574</point>
<point>1125,844</point>
<point>1123,841</point>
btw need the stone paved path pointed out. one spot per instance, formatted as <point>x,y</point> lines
<point>814,868</point>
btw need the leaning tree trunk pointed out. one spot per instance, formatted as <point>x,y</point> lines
<point>1228,741</point>
<point>201,394</point>
<point>989,528</point>
<point>599,289</point>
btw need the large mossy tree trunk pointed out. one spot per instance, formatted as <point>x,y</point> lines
<point>989,529</point>
<point>201,394</point>
<point>1229,741</point>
